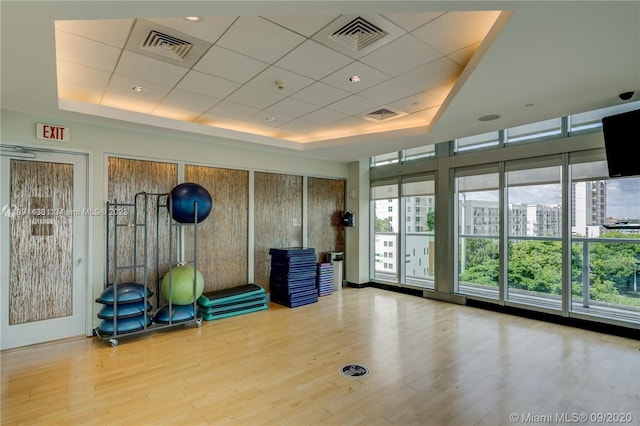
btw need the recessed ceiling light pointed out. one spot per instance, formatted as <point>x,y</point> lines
<point>192,18</point>
<point>270,119</point>
<point>354,79</point>
<point>139,89</point>
<point>489,117</point>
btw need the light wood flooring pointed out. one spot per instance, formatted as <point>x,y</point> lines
<point>430,363</point>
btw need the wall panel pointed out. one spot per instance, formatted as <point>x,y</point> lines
<point>223,236</point>
<point>126,178</point>
<point>325,204</point>
<point>278,218</point>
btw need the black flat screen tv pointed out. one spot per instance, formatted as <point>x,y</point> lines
<point>621,143</point>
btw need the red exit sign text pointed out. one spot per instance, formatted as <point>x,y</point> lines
<point>52,132</point>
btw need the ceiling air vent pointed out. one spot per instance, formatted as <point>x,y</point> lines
<point>166,45</point>
<point>358,34</point>
<point>381,115</point>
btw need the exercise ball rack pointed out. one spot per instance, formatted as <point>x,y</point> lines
<point>134,219</point>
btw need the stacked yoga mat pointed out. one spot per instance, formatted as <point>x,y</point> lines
<point>293,276</point>
<point>232,301</point>
<point>324,278</point>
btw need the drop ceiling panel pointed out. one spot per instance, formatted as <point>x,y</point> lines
<point>456,30</point>
<point>314,60</point>
<point>391,90</point>
<point>193,102</point>
<point>208,85</point>
<point>320,94</point>
<point>229,65</point>
<point>247,36</point>
<point>233,110</point>
<point>148,69</point>
<point>415,103</point>
<point>82,75</point>
<point>113,32</point>
<point>289,107</point>
<point>369,77</point>
<point>411,21</point>
<point>431,75</point>
<point>307,25</point>
<point>388,60</point>
<point>253,97</point>
<point>292,82</point>
<point>83,51</point>
<point>354,105</point>
<point>325,116</point>
<point>208,28</point>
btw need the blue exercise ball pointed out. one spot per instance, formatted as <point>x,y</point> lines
<point>183,199</point>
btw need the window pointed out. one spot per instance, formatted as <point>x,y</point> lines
<point>534,235</point>
<point>385,228</point>
<point>478,209</point>
<point>418,194</point>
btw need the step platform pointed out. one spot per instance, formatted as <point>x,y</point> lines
<point>232,301</point>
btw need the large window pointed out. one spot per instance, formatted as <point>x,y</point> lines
<point>478,210</point>
<point>534,235</point>
<point>418,199</point>
<point>605,248</point>
<point>386,223</point>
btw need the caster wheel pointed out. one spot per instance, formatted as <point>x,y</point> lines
<point>113,342</point>
<point>199,323</point>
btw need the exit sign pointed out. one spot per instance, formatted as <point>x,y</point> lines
<point>52,132</point>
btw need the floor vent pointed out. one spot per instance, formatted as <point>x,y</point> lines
<point>358,34</point>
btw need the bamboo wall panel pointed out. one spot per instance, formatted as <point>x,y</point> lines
<point>41,259</point>
<point>223,236</point>
<point>127,178</point>
<point>325,204</point>
<point>278,218</point>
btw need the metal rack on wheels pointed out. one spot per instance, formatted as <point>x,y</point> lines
<point>138,270</point>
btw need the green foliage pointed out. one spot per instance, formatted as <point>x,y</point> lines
<point>537,266</point>
<point>431,220</point>
<point>383,225</point>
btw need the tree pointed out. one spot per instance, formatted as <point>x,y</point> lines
<point>383,225</point>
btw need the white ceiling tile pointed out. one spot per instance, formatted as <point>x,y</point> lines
<point>253,97</point>
<point>113,32</point>
<point>320,94</point>
<point>301,125</point>
<point>67,90</point>
<point>314,60</point>
<point>415,103</point>
<point>247,36</point>
<point>182,114</point>
<point>82,75</point>
<point>368,77</point>
<point>463,56</point>
<point>353,105</point>
<point>411,21</point>
<point>307,25</point>
<point>442,91</point>
<point>393,59</point>
<point>189,100</point>
<point>456,30</point>
<point>325,116</point>
<point>229,65</point>
<point>233,110</point>
<point>292,82</point>
<point>208,28</point>
<point>208,85</point>
<point>387,92</point>
<point>149,69</point>
<point>290,107</point>
<point>83,51</point>
<point>431,75</point>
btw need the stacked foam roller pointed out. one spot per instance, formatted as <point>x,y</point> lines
<point>293,276</point>
<point>324,278</point>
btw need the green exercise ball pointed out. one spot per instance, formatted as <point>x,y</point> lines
<point>182,283</point>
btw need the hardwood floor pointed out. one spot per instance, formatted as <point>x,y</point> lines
<point>430,363</point>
